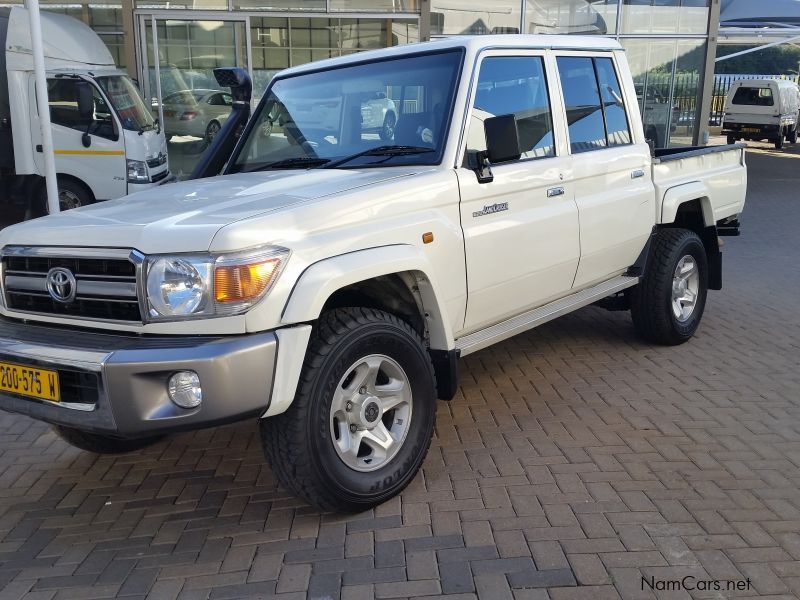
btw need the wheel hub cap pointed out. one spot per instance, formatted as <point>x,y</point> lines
<point>685,288</point>
<point>370,412</point>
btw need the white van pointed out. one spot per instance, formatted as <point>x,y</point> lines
<point>106,142</point>
<point>762,109</point>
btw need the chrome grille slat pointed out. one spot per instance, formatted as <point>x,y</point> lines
<point>106,282</point>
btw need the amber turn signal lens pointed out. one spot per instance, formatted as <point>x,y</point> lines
<point>241,283</point>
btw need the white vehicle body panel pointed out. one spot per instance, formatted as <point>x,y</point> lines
<point>480,268</point>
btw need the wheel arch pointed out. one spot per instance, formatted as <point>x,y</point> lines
<point>395,278</point>
<point>696,214</point>
<point>41,187</point>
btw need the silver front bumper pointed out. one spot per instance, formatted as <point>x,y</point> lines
<point>117,384</point>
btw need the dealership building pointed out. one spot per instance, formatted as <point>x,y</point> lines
<point>171,46</point>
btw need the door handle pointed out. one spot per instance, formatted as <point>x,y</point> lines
<point>637,173</point>
<point>555,191</point>
<point>39,148</point>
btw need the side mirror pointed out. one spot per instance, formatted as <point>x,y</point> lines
<point>85,98</point>
<point>502,139</point>
<point>502,145</point>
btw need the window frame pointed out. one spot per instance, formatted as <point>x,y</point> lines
<point>593,56</point>
<point>560,142</point>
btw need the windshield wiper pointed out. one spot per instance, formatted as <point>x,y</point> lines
<point>381,151</point>
<point>291,163</point>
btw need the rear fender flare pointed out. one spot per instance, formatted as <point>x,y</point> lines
<point>681,194</point>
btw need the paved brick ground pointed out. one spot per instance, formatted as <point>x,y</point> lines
<point>575,461</point>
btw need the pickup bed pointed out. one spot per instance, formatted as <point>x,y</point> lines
<point>328,280</point>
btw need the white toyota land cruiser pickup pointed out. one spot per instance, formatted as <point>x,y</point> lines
<point>328,280</point>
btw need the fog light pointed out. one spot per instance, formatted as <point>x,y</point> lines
<point>184,389</point>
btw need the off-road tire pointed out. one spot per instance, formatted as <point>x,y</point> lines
<point>299,444</point>
<point>101,444</point>
<point>779,141</point>
<point>651,299</point>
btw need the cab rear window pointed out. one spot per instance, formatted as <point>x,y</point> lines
<point>753,96</point>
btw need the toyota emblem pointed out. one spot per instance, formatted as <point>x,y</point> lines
<point>61,285</point>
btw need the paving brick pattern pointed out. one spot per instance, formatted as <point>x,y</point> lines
<point>575,461</point>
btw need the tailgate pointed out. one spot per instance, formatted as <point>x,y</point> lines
<point>716,174</point>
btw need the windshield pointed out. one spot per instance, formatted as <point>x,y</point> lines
<point>125,99</point>
<point>322,117</point>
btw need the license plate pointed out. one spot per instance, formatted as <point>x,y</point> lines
<point>169,113</point>
<point>751,130</point>
<point>29,381</point>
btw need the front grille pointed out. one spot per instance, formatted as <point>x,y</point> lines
<point>159,176</point>
<point>105,288</point>
<point>157,161</point>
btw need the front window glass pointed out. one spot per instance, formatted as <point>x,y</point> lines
<point>514,85</point>
<point>125,99</point>
<point>753,96</point>
<point>326,116</point>
<point>62,96</point>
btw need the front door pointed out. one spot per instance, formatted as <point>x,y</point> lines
<point>100,166</point>
<point>521,229</point>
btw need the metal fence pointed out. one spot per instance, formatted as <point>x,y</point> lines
<point>722,83</point>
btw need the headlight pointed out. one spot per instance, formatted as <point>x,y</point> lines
<point>187,286</point>
<point>137,171</point>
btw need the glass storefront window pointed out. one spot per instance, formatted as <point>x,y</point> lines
<point>689,67</point>
<point>376,5</point>
<point>667,74</point>
<point>454,17</point>
<point>278,43</point>
<point>194,107</point>
<point>651,62</point>
<point>295,5</point>
<point>664,16</point>
<point>571,16</point>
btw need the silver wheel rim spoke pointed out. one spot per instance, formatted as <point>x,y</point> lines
<point>685,288</point>
<point>371,412</point>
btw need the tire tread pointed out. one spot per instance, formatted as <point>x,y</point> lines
<point>291,462</point>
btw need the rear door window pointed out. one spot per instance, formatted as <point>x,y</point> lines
<point>596,113</point>
<point>753,96</point>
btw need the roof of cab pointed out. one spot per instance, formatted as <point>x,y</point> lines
<point>760,82</point>
<point>473,44</point>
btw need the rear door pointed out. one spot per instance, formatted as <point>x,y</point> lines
<point>101,166</point>
<point>521,229</point>
<point>612,181</point>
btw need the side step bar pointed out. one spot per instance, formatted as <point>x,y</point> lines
<point>533,318</point>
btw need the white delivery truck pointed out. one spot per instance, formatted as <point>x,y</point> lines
<point>106,142</point>
<point>762,109</point>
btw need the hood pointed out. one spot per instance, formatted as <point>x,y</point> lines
<point>183,217</point>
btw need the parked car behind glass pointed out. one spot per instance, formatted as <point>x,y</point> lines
<point>197,113</point>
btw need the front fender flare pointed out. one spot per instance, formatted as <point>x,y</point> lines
<point>320,280</point>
